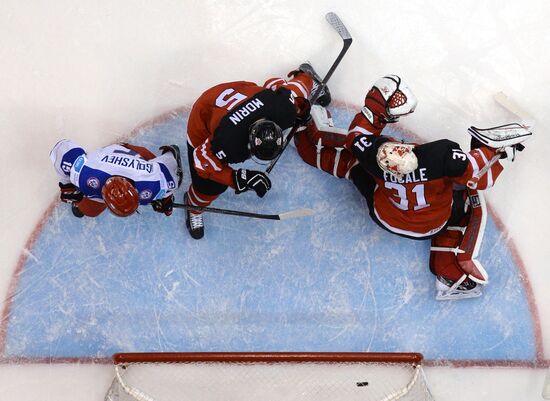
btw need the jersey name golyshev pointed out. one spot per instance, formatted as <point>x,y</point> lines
<point>245,111</point>
<point>127,162</point>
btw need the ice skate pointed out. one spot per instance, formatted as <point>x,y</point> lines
<point>193,221</point>
<point>324,97</point>
<point>449,290</point>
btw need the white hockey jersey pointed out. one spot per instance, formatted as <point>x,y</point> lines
<point>154,179</point>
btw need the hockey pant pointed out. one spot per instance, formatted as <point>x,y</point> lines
<point>202,191</point>
<point>454,250</point>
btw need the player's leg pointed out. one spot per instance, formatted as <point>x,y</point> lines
<point>303,82</point>
<point>321,145</point>
<point>454,250</point>
<point>202,192</point>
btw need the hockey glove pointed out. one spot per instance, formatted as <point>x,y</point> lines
<point>164,205</point>
<point>389,99</point>
<point>250,179</point>
<point>70,193</point>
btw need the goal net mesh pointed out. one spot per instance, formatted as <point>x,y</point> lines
<point>232,377</point>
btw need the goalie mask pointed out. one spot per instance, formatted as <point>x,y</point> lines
<point>397,159</point>
<point>398,100</point>
<point>265,141</point>
<point>120,196</point>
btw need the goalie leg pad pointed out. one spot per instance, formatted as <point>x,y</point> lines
<point>453,252</point>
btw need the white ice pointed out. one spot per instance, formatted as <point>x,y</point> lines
<point>92,71</point>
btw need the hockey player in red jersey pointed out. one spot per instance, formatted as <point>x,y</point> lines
<point>418,191</point>
<point>235,121</point>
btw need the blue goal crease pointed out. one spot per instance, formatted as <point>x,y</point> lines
<point>330,282</point>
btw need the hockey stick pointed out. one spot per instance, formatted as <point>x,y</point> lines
<point>339,27</point>
<point>282,216</point>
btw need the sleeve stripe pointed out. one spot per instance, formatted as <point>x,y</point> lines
<point>274,83</point>
<point>489,174</point>
<point>360,130</point>
<point>196,160</point>
<point>299,86</point>
<point>203,153</point>
<point>474,164</point>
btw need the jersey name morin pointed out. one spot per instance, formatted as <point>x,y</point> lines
<point>251,106</point>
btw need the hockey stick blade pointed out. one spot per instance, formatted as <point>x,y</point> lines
<point>510,105</point>
<point>296,213</point>
<point>341,29</point>
<point>282,216</point>
<point>338,25</point>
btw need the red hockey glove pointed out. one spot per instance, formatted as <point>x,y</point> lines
<point>70,193</point>
<point>164,205</point>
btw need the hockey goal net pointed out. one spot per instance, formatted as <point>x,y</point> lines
<point>268,377</point>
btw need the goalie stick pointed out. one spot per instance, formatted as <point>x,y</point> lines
<point>509,104</point>
<point>339,27</point>
<point>281,216</point>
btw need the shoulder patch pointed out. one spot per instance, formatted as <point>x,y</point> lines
<point>79,163</point>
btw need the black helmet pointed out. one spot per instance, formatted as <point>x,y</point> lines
<point>265,140</point>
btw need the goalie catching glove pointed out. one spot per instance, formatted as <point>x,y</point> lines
<point>251,179</point>
<point>388,99</point>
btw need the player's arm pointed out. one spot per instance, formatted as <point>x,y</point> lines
<point>63,156</point>
<point>212,165</point>
<point>476,160</point>
<point>461,166</point>
<point>387,100</point>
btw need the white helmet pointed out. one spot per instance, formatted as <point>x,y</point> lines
<point>397,158</point>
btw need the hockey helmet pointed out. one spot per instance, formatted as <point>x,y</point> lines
<point>396,158</point>
<point>120,196</point>
<point>265,141</point>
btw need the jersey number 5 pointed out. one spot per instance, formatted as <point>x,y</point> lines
<point>229,98</point>
<point>403,203</point>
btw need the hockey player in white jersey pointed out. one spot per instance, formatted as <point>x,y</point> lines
<point>119,177</point>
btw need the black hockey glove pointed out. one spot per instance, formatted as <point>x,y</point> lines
<point>70,193</point>
<point>250,179</point>
<point>164,205</point>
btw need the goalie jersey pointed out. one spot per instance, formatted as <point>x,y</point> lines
<point>88,171</point>
<point>419,204</point>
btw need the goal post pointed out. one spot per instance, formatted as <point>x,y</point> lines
<point>295,376</point>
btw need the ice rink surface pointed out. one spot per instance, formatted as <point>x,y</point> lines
<point>79,290</point>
